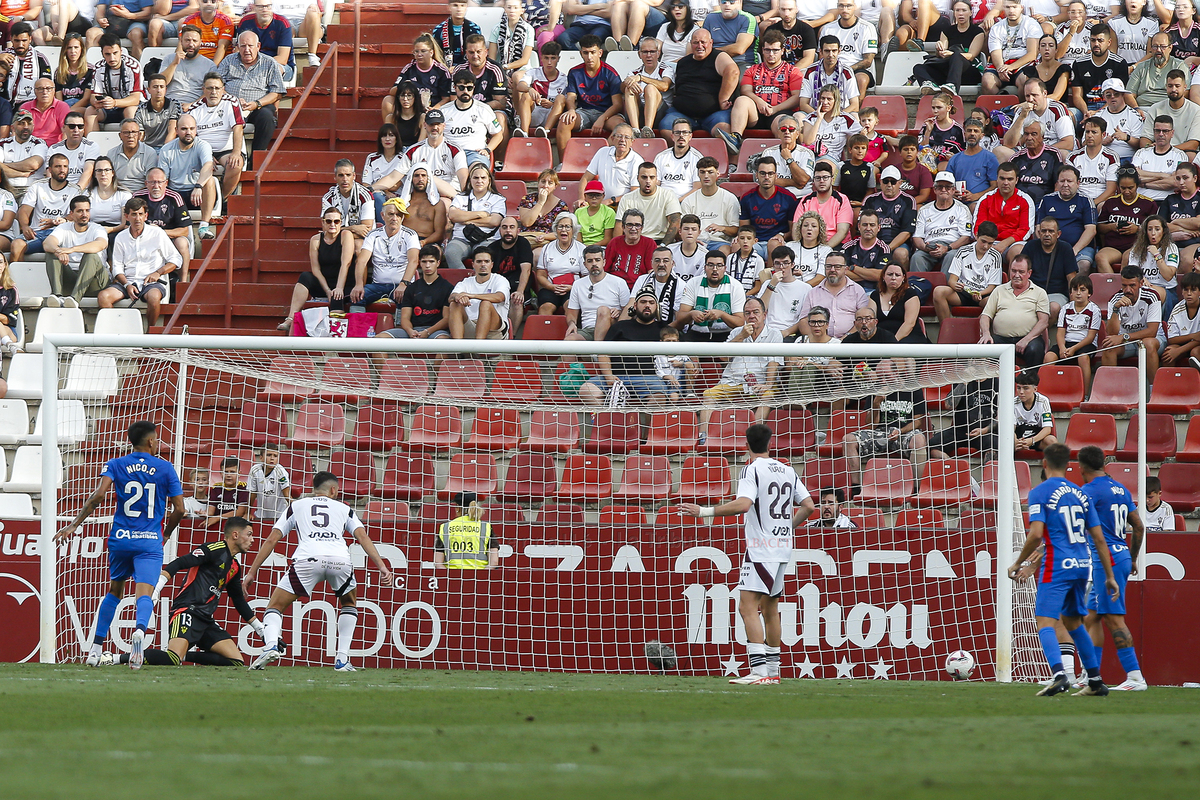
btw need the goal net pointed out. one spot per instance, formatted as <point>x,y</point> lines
<point>599,571</point>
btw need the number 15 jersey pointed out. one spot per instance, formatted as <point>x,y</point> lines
<point>1068,514</point>
<point>774,489</point>
<point>143,483</point>
<point>321,524</point>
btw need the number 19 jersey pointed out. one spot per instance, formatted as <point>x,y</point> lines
<point>321,525</point>
<point>143,483</point>
<point>1067,513</point>
<point>774,489</point>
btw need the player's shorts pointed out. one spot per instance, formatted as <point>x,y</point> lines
<point>199,629</point>
<point>140,558</point>
<point>1098,599</point>
<point>1060,598</point>
<point>762,578</point>
<point>876,443</point>
<point>304,574</point>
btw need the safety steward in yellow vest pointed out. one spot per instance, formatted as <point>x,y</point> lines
<point>466,542</point>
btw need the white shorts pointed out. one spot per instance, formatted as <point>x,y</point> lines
<point>304,574</point>
<point>762,578</point>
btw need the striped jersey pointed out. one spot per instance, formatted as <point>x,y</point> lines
<point>357,208</point>
<point>1094,172</point>
<point>1078,323</point>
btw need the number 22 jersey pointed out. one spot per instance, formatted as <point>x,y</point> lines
<point>321,524</point>
<point>143,483</point>
<point>775,489</point>
<point>1068,514</point>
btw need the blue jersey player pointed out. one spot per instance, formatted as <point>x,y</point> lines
<point>1123,533</point>
<point>1061,516</point>
<point>144,485</point>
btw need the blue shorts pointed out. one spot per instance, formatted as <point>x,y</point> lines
<point>1098,599</point>
<point>1062,597</point>
<point>707,123</point>
<point>640,385</point>
<point>1086,254</point>
<point>35,244</point>
<point>143,559</point>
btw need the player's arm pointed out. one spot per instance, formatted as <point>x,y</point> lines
<point>1033,540</point>
<point>263,552</point>
<point>91,505</point>
<point>360,534</point>
<point>738,505</point>
<point>174,517</point>
<point>1135,541</point>
<point>803,512</point>
<point>238,598</point>
<point>1101,548</point>
<point>193,559</point>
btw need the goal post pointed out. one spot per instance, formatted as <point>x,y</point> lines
<point>596,562</point>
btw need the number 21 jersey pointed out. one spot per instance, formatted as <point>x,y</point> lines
<point>143,483</point>
<point>320,524</point>
<point>774,489</point>
<point>1068,514</point>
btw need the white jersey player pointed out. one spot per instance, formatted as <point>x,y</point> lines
<point>320,523</point>
<point>767,495</point>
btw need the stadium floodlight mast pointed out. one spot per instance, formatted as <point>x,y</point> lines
<point>942,364</point>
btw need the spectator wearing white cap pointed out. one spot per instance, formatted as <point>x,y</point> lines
<point>1124,121</point>
<point>943,226</point>
<point>1184,114</point>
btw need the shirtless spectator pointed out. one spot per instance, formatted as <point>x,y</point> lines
<point>426,218</point>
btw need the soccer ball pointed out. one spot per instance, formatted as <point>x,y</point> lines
<point>960,664</point>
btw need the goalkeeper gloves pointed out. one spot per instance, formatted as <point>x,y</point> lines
<point>258,627</point>
<point>158,587</point>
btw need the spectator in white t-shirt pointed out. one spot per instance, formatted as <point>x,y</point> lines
<point>75,257</point>
<point>143,257</point>
<point>1157,515</point>
<point>560,263</point>
<point>614,166</point>
<point>1032,416</point>
<point>479,303</point>
<point>471,124</point>
<point>973,275</point>
<point>476,214</point>
<point>535,95</point>
<point>718,209</point>
<point>784,294</point>
<point>647,91</point>
<point>598,293</point>
<point>1134,315</point>
<point>387,262</point>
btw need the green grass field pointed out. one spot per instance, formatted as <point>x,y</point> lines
<point>72,732</point>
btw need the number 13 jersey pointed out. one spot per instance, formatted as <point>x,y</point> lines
<point>774,489</point>
<point>321,524</point>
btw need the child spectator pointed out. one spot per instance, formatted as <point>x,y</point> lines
<point>1078,327</point>
<point>1180,335</point>
<point>1157,515</point>
<point>1034,420</point>
<point>856,176</point>
<point>270,486</point>
<point>878,145</point>
<point>678,372</point>
<point>597,219</point>
<point>744,264</point>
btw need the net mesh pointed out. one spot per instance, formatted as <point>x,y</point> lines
<point>599,569</point>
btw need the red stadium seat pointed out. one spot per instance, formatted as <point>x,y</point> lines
<point>346,380</point>
<point>1160,438</point>
<point>865,518</point>
<point>977,521</point>
<point>567,191</point>
<point>385,511</point>
<point>704,479</point>
<point>1180,523</point>
<point>1125,474</point>
<point>567,517</point>
<point>439,512</point>
<point>516,382</point>
<point>1114,391</point>
<point>355,470</point>
<point>298,368</point>
<point>586,477</point>
<point>749,149</point>
<point>919,518</point>
<point>1191,442</point>
<point>1104,287</point>
<point>1180,485</point>
<point>893,113</point>
<point>818,474</point>
<point>319,425</point>
<point>944,483</point>
<point>470,472</point>
<point>841,423</point>
<point>727,428</point>
<point>513,191</point>
<point>958,330</point>
<point>887,482</point>
<point>614,433</point>
<point>525,158</point>
<point>649,148</point>
<point>1062,384</point>
<point>504,514</point>
<point>435,428</point>
<point>644,479</point>
<point>622,517</point>
<point>545,327</point>
<point>378,426</point>
<point>461,379</point>
<point>795,430</point>
<point>553,431</point>
<point>1092,429</point>
<point>259,424</point>
<point>529,477</point>
<point>671,433</point>
<point>407,477</point>
<point>495,429</point>
<point>995,102</point>
<point>1175,391</point>
<point>715,148</point>
<point>575,159</point>
<point>407,378</point>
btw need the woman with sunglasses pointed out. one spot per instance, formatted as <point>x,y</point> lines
<point>330,254</point>
<point>108,200</point>
<point>73,78</point>
<point>676,33</point>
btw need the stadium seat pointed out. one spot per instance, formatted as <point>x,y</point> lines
<point>16,505</point>
<point>990,478</point>
<point>26,473</point>
<point>298,368</point>
<point>1092,429</point>
<point>1114,391</point>
<point>818,474</point>
<point>575,159</point>
<point>1104,287</point>
<point>72,423</point>
<point>1125,473</point>
<point>716,149</point>
<point>1160,438</point>
<point>515,382</point>
<point>1180,523</point>
<point>55,320</point>
<point>727,430</point>
<point>649,148</point>
<point>1190,451</point>
<point>897,72</point>
<point>625,63</point>
<point>14,421</point>
<point>378,426</point>
<point>841,423</point>
<point>470,472</point>
<point>617,517</point>
<point>567,517</point>
<point>435,428</point>
<point>704,479</point>
<point>385,512</point>
<point>495,429</point>
<point>795,431</point>
<point>865,518</point>
<point>356,472</point>
<point>977,521</point>
<point>1175,391</point>
<point>25,376</point>
<point>1062,384</point>
<point>439,512</point>
<point>887,481</point>
<point>958,330</point>
<point>33,285</point>
<point>553,431</point>
<point>750,148</point>
<point>614,433</point>
<point>300,472</point>
<point>944,483</point>
<point>345,380</point>
<point>1180,485</point>
<point>461,379</point>
<point>526,157</point>
<point>407,477</point>
<point>406,378</point>
<point>319,425</point>
<point>995,102</point>
<point>513,191</point>
<point>671,433</point>
<point>529,478</point>
<point>586,477</point>
<point>893,113</point>
<point>91,377</point>
<point>504,514</point>
<point>919,518</point>
<point>545,327</point>
<point>125,321</point>
<point>644,479</point>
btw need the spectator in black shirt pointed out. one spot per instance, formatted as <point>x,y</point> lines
<point>1052,265</point>
<point>799,39</point>
<point>953,64</point>
<point>867,255</point>
<point>897,215</point>
<point>1089,74</point>
<point>424,308</point>
<point>513,258</point>
<point>636,373</point>
<point>856,177</point>
<point>973,423</point>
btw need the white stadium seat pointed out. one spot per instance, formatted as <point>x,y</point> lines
<point>156,52</point>
<point>27,471</point>
<point>118,320</point>
<point>624,62</point>
<point>486,18</point>
<point>72,423</point>
<point>33,285</point>
<point>14,421</point>
<point>897,70</point>
<point>15,505</point>
<point>25,376</point>
<point>55,320</point>
<point>91,377</point>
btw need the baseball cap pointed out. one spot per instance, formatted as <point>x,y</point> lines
<point>23,113</point>
<point>944,175</point>
<point>1116,84</point>
<point>434,117</point>
<point>890,172</point>
<point>594,186</point>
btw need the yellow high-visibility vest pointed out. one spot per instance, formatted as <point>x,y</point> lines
<point>465,542</point>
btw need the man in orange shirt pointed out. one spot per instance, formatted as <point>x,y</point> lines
<point>216,30</point>
<point>14,11</point>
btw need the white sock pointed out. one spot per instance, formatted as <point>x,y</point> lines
<point>758,657</point>
<point>1135,675</point>
<point>272,627</point>
<point>347,620</point>
<point>773,661</point>
<point>1069,666</point>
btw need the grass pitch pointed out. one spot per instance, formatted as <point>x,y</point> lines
<point>72,732</point>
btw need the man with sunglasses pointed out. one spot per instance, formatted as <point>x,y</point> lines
<point>471,124</point>
<point>794,163</point>
<point>81,153</point>
<point>897,215</point>
<point>733,31</point>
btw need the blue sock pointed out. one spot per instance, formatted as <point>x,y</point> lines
<point>1128,658</point>
<point>1050,647</point>
<point>104,616</point>
<point>145,606</point>
<point>1087,651</point>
